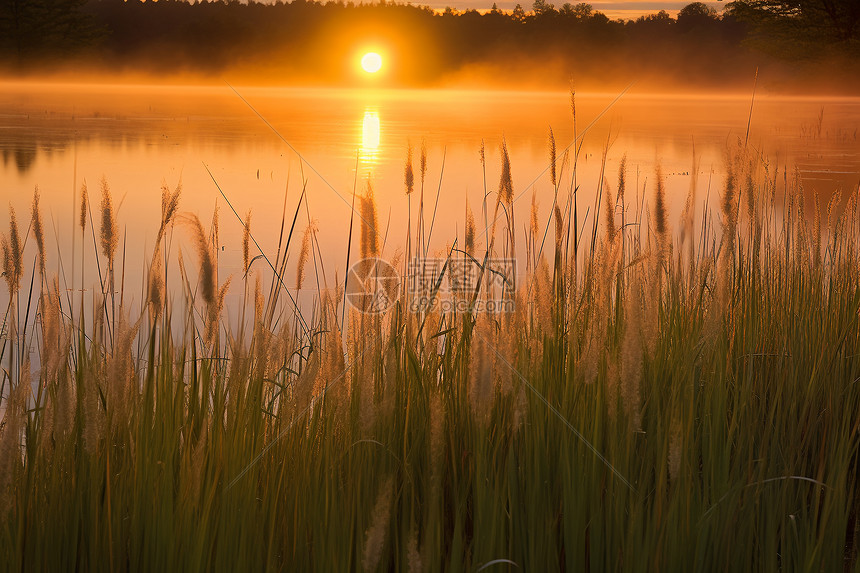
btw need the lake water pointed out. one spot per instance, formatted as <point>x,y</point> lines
<point>258,142</point>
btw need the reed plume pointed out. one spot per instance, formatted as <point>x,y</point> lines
<point>207,259</point>
<point>109,232</point>
<point>728,208</point>
<point>169,207</point>
<point>559,228</point>
<point>214,314</point>
<point>13,265</point>
<point>369,233</point>
<point>305,384</point>
<point>423,162</point>
<point>751,195</point>
<point>120,380</point>
<point>470,231</point>
<point>156,286</point>
<point>303,256</point>
<point>246,243</point>
<point>660,213</point>
<point>51,340</point>
<point>816,233</point>
<point>610,213</point>
<point>408,175</point>
<point>506,186</point>
<point>552,159</point>
<point>82,220</point>
<point>38,230</point>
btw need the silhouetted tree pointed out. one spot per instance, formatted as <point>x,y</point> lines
<point>36,28</point>
<point>519,15</point>
<point>816,21</point>
<point>581,11</point>
<point>543,8</point>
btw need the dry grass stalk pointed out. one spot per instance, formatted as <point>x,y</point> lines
<point>413,556</point>
<point>481,372</point>
<point>120,380</point>
<point>631,355</point>
<point>305,384</point>
<point>10,444</point>
<point>676,439</point>
<point>688,214</point>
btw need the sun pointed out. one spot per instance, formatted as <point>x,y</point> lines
<point>371,62</point>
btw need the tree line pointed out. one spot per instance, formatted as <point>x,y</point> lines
<point>312,40</point>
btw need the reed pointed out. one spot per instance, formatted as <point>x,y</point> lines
<point>641,416</point>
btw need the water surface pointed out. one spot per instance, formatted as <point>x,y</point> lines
<point>256,143</point>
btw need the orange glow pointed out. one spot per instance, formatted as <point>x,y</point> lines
<point>371,62</point>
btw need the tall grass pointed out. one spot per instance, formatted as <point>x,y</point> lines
<point>644,408</point>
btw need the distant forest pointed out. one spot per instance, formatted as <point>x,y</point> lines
<point>793,41</point>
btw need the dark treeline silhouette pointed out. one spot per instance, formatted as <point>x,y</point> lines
<point>310,42</point>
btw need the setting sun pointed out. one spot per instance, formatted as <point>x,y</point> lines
<point>371,62</point>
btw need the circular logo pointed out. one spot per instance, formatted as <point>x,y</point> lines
<point>372,285</point>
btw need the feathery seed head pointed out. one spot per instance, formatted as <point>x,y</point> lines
<point>207,259</point>
<point>82,221</point>
<point>38,230</point>
<point>506,186</point>
<point>246,243</point>
<point>409,176</point>
<point>369,226</point>
<point>109,233</point>
<point>303,255</point>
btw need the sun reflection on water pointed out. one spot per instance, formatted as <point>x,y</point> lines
<point>370,138</point>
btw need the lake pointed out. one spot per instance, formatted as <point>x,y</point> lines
<point>255,143</point>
